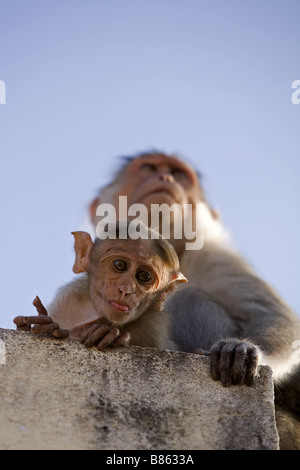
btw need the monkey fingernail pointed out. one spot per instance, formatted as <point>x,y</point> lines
<point>19,321</point>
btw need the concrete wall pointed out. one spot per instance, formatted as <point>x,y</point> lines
<point>57,394</point>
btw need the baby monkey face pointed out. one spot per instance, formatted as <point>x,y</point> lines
<point>128,278</point>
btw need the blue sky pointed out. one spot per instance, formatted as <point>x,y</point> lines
<point>88,81</point>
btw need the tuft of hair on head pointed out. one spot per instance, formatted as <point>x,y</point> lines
<point>166,252</point>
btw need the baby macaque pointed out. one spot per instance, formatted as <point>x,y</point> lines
<point>118,298</point>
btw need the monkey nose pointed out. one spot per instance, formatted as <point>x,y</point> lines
<point>166,177</point>
<point>125,289</point>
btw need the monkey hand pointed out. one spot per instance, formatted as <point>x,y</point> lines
<point>103,337</point>
<point>234,361</point>
<point>43,324</point>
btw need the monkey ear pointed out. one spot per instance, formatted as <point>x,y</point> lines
<point>178,277</point>
<point>83,245</point>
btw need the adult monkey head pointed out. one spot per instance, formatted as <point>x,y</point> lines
<point>154,178</point>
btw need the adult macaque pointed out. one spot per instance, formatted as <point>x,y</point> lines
<point>226,308</point>
<point>120,296</point>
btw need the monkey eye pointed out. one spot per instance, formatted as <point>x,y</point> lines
<point>143,276</point>
<point>120,265</point>
<point>179,175</point>
<point>148,168</point>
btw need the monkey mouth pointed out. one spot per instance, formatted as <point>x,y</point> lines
<point>160,190</point>
<point>157,189</point>
<point>120,307</point>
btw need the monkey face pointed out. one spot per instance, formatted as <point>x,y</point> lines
<point>161,179</point>
<point>128,278</point>
<point>155,179</point>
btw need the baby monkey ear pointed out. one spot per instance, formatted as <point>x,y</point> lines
<point>178,278</point>
<point>83,245</point>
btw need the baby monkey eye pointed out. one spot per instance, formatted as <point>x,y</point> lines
<point>120,265</point>
<point>143,276</point>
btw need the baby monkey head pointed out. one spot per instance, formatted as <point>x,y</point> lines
<point>127,277</point>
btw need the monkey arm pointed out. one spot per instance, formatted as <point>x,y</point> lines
<point>71,306</point>
<point>201,326</point>
<point>90,334</point>
<point>257,312</point>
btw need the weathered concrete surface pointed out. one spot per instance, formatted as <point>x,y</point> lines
<point>59,395</point>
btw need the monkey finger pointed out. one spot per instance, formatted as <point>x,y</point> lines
<point>21,326</point>
<point>226,363</point>
<point>252,364</point>
<point>88,331</point>
<point>24,323</point>
<point>39,306</point>
<point>108,339</point>
<point>61,333</point>
<point>121,341</point>
<point>40,320</point>
<point>215,355</point>
<point>46,329</point>
<point>19,322</point>
<point>40,330</point>
<point>94,334</point>
<point>239,366</point>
